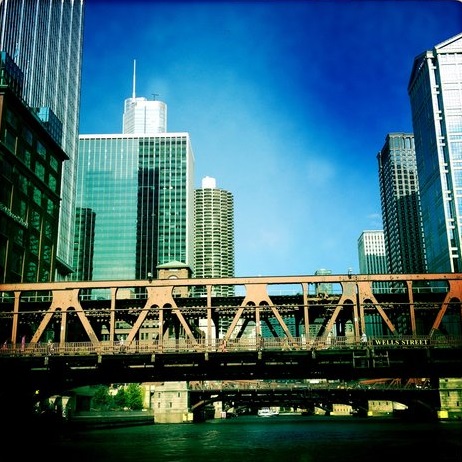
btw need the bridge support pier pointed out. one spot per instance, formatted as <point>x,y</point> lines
<point>450,398</point>
<point>170,403</point>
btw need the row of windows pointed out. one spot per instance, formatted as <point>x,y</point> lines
<point>401,142</point>
<point>20,140</point>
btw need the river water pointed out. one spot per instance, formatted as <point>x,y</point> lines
<point>252,438</point>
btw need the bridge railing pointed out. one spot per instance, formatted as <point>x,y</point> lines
<point>183,345</point>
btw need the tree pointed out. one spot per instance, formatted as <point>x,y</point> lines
<point>134,397</point>
<point>101,399</point>
<point>120,399</point>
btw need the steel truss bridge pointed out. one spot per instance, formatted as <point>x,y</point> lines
<point>71,333</point>
<point>417,395</point>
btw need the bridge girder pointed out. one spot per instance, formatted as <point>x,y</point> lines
<point>415,304</point>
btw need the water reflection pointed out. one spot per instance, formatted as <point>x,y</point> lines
<point>295,438</point>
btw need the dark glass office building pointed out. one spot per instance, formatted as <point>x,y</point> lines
<point>401,214</point>
<point>30,184</point>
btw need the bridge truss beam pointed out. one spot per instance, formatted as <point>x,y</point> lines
<point>318,306</point>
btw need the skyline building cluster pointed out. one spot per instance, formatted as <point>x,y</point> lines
<point>137,192</point>
<point>420,173</point>
<point>119,206</point>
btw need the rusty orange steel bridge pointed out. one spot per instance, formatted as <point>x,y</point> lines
<point>288,307</point>
<point>179,329</point>
<point>91,311</point>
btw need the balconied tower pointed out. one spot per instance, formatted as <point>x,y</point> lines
<point>214,234</point>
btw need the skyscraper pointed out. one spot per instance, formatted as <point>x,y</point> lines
<point>142,115</point>
<point>44,38</point>
<point>436,102</point>
<point>84,245</point>
<point>372,260</point>
<point>140,189</point>
<point>30,182</point>
<point>399,194</point>
<point>214,234</point>
<point>371,252</point>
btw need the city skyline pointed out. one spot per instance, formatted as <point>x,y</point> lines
<point>287,105</point>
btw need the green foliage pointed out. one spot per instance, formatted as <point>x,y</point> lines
<point>134,397</point>
<point>130,396</point>
<point>120,398</point>
<point>102,399</point>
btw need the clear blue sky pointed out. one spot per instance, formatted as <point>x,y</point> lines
<point>287,104</point>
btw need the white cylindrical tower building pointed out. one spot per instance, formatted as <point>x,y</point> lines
<point>214,233</point>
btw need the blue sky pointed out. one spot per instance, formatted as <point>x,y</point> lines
<point>287,104</point>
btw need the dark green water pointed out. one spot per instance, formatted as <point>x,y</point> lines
<point>282,438</point>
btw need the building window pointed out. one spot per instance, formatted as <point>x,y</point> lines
<point>41,151</point>
<point>10,140</point>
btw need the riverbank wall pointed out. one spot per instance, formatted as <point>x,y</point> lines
<point>110,419</point>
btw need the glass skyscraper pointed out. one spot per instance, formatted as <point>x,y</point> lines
<point>214,234</point>
<point>435,91</point>
<point>140,189</point>
<point>399,194</point>
<point>142,115</point>
<point>44,38</point>
<point>135,197</point>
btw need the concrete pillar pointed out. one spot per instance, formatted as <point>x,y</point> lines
<point>170,403</point>
<point>450,398</point>
<point>218,410</point>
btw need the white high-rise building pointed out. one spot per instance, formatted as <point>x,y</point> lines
<point>373,260</point>
<point>371,252</point>
<point>45,39</point>
<point>143,116</point>
<point>435,91</point>
<point>214,233</point>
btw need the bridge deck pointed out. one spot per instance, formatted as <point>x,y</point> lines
<point>163,330</point>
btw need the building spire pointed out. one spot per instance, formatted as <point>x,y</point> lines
<point>134,79</point>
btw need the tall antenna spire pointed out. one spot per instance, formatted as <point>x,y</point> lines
<point>134,78</point>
